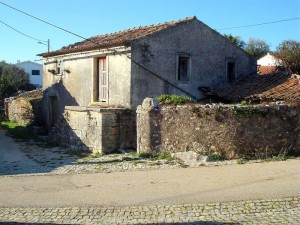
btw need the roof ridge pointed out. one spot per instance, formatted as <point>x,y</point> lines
<point>120,37</point>
<point>146,26</point>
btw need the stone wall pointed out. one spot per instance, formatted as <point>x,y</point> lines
<point>94,129</point>
<point>231,130</point>
<point>24,109</point>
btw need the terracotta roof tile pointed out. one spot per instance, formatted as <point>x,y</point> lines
<point>275,86</point>
<point>115,39</point>
<point>263,70</point>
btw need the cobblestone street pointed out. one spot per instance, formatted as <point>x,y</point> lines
<point>272,211</point>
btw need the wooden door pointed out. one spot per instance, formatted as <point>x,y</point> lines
<point>103,80</point>
<point>53,110</point>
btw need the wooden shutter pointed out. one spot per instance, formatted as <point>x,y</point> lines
<point>103,80</point>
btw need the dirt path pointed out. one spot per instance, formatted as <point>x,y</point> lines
<point>156,187</point>
<point>11,157</point>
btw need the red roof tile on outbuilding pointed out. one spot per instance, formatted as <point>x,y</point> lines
<point>270,87</point>
<point>263,70</point>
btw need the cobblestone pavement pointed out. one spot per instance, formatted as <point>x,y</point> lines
<point>272,211</point>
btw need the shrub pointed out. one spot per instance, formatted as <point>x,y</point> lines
<point>176,99</point>
<point>244,102</point>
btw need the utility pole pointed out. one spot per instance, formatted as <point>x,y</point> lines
<point>48,44</point>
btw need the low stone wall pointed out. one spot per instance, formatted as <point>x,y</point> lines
<point>24,109</point>
<point>94,129</point>
<point>230,130</point>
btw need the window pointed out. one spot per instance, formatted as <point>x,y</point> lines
<point>230,72</point>
<point>35,72</point>
<point>183,68</point>
<point>101,78</point>
<point>59,66</point>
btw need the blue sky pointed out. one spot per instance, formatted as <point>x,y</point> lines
<point>93,17</point>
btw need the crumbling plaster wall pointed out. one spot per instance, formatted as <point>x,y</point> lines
<point>209,53</point>
<point>232,131</point>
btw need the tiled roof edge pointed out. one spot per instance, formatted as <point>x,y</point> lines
<point>66,50</point>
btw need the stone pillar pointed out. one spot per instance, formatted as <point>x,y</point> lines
<point>144,127</point>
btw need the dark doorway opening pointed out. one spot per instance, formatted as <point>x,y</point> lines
<point>231,72</point>
<point>53,110</point>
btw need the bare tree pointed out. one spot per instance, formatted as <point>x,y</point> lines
<point>288,52</point>
<point>257,48</point>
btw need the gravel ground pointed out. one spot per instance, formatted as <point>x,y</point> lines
<point>57,160</point>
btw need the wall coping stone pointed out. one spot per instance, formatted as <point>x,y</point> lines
<point>92,108</point>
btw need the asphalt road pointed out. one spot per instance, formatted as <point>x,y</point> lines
<point>155,187</point>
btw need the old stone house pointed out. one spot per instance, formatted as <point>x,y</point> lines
<point>123,68</point>
<point>92,81</point>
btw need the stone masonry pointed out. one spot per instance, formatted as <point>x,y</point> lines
<point>233,131</point>
<point>24,109</point>
<point>93,129</point>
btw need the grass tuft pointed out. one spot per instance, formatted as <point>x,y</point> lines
<point>19,132</point>
<point>176,99</point>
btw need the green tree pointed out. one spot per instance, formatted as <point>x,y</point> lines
<point>11,79</point>
<point>236,40</point>
<point>257,48</point>
<point>288,52</point>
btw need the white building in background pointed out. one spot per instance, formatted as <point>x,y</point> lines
<point>268,64</point>
<point>268,60</point>
<point>35,71</point>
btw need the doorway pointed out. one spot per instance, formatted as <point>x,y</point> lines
<point>53,110</point>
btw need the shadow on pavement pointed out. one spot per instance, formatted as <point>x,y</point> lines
<point>17,158</point>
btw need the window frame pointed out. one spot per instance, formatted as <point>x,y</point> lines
<point>33,74</point>
<point>189,66</point>
<point>59,67</point>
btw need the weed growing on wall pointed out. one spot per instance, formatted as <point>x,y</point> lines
<point>214,156</point>
<point>175,99</point>
<point>244,102</point>
<point>248,111</point>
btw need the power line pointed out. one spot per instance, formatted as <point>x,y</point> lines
<point>27,14</point>
<point>21,32</point>
<point>259,24</point>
